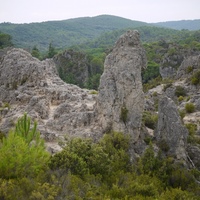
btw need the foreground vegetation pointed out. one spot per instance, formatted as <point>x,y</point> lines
<point>88,170</point>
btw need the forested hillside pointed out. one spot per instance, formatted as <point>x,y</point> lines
<point>183,24</point>
<point>64,33</point>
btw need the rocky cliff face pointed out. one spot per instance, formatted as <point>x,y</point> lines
<point>120,101</point>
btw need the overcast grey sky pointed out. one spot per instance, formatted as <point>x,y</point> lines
<point>26,11</point>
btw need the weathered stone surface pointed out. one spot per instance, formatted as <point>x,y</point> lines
<point>188,66</point>
<point>194,154</point>
<point>120,101</point>
<point>170,130</point>
<point>33,86</point>
<point>173,58</point>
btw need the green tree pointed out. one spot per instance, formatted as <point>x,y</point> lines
<point>5,40</point>
<point>51,51</point>
<point>22,152</point>
<point>36,53</point>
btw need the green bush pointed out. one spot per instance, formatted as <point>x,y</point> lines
<point>189,107</point>
<point>124,114</point>
<point>192,128</point>
<point>167,86</point>
<point>163,145</point>
<point>22,155</point>
<point>180,98</point>
<point>195,79</point>
<point>189,69</point>
<point>182,113</point>
<point>180,91</point>
<point>150,119</point>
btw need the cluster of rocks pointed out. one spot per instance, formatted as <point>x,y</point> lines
<point>33,86</point>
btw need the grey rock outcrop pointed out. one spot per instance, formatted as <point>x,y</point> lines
<point>120,101</point>
<point>33,86</point>
<point>188,66</point>
<point>170,133</point>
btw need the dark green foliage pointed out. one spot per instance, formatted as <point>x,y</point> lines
<point>181,25</point>
<point>82,157</point>
<point>152,83</point>
<point>22,152</point>
<point>168,85</point>
<point>151,72</point>
<point>189,69</point>
<point>5,40</point>
<point>189,107</point>
<point>163,145</point>
<point>65,33</point>
<point>150,119</point>
<point>192,128</point>
<point>182,113</point>
<point>195,78</point>
<point>88,170</point>
<point>51,51</point>
<point>124,114</point>
<point>36,53</point>
<point>23,129</point>
<point>180,91</point>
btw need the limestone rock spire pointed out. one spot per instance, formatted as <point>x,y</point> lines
<point>121,100</point>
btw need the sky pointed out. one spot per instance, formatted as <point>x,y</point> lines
<point>27,11</point>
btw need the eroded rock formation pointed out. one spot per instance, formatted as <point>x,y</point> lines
<point>170,134</point>
<point>33,86</point>
<point>120,101</point>
<point>29,85</point>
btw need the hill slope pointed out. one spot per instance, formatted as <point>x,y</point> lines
<point>183,24</point>
<point>65,33</point>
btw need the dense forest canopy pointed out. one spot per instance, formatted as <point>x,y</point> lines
<point>77,31</point>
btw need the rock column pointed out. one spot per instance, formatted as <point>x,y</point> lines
<point>121,100</point>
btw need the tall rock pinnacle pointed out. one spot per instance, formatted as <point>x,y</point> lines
<point>120,101</point>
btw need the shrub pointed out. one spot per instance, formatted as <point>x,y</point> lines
<point>180,91</point>
<point>180,98</point>
<point>192,128</point>
<point>167,86</point>
<point>182,113</point>
<point>163,145</point>
<point>189,69</point>
<point>124,114</point>
<point>93,92</point>
<point>150,119</point>
<point>195,79</point>
<point>189,107</point>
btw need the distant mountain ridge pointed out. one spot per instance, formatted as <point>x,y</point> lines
<point>75,31</point>
<point>179,25</point>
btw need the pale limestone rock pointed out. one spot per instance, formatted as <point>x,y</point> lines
<point>121,86</point>
<point>170,131</point>
<point>33,86</point>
